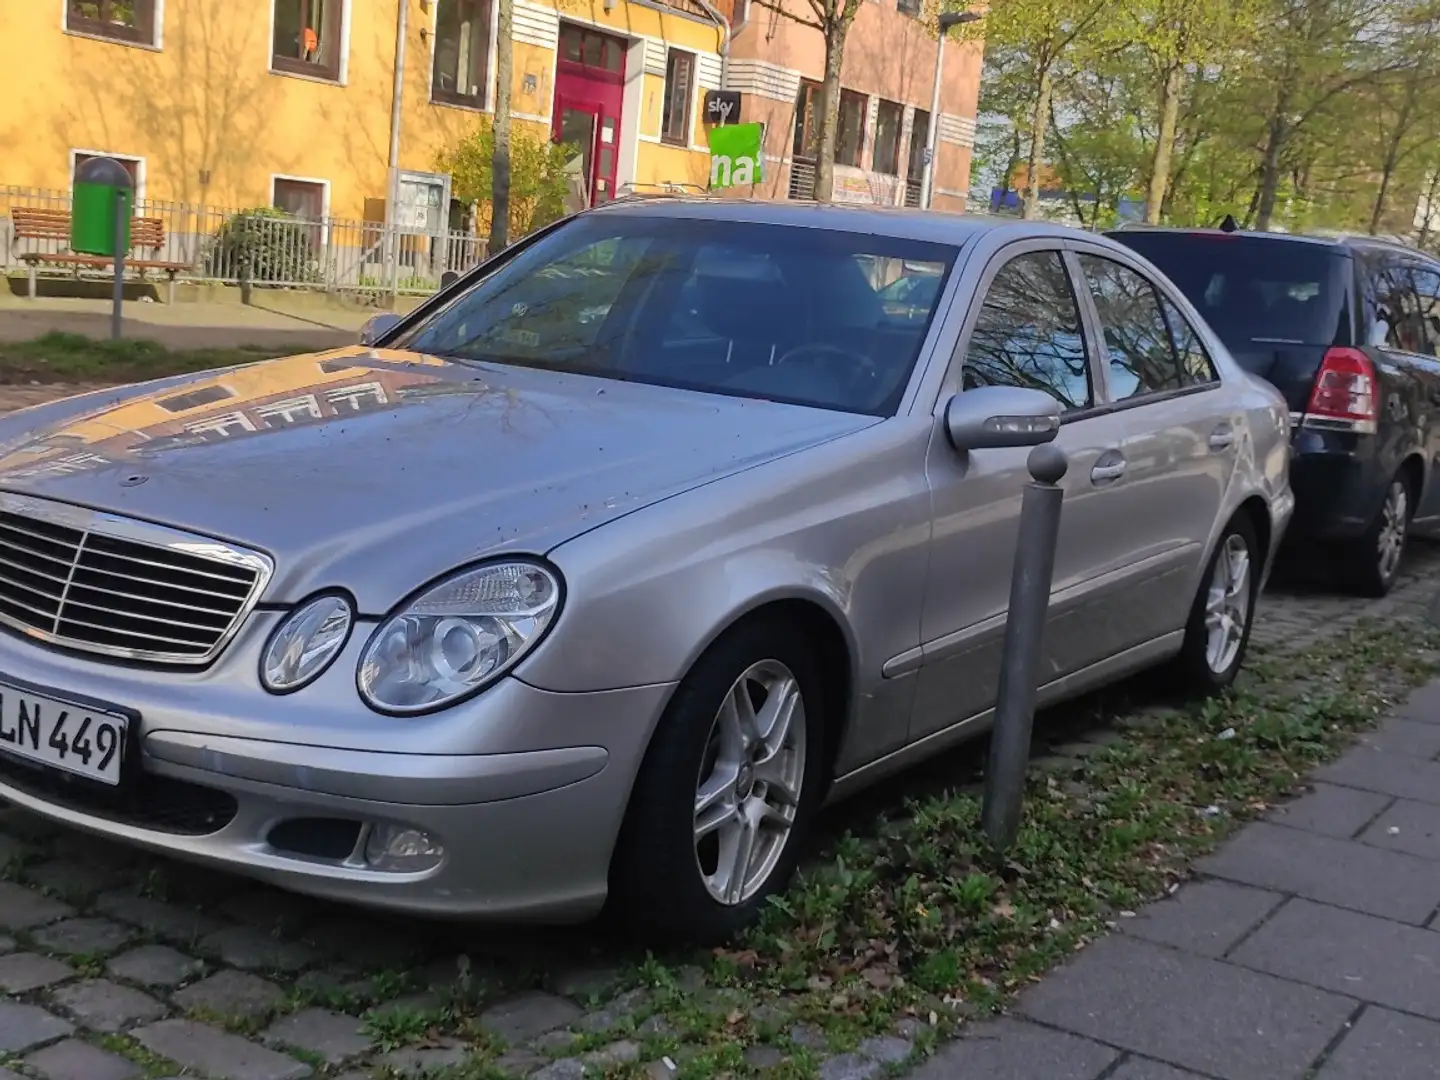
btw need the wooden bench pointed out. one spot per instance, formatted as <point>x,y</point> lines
<point>47,223</point>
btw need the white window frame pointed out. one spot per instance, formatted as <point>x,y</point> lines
<point>433,28</point>
<point>324,199</point>
<point>140,170</point>
<point>156,45</point>
<point>344,76</point>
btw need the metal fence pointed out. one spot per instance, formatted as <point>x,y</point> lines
<point>265,247</point>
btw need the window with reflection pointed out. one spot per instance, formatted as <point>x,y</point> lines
<point>1196,367</point>
<point>119,20</point>
<point>1142,358</point>
<point>1029,333</point>
<point>461,68</point>
<point>306,39</point>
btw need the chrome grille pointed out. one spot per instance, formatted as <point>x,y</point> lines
<point>108,585</point>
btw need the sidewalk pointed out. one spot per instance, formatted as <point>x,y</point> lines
<point>1307,948</point>
<point>182,326</point>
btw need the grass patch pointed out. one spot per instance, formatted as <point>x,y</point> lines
<point>73,358</point>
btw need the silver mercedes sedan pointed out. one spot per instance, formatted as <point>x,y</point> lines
<point>602,571</point>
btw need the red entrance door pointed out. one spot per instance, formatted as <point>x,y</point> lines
<point>589,87</point>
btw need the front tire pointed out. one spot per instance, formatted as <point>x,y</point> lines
<point>727,791</point>
<point>1218,631</point>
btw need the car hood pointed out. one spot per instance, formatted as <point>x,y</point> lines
<point>376,470</point>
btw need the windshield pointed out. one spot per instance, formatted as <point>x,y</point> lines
<point>779,312</point>
<point>1254,290</point>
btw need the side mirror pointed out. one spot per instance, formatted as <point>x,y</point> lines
<point>448,278</point>
<point>991,417</point>
<point>376,326</point>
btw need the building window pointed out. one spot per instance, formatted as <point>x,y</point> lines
<point>591,49</point>
<point>306,39</point>
<point>129,164</point>
<point>679,79</point>
<point>807,120</point>
<point>909,7</point>
<point>850,137</point>
<point>119,20</point>
<point>889,118</point>
<point>299,198</point>
<point>461,75</point>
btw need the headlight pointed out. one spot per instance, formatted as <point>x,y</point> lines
<point>304,644</point>
<point>457,637</point>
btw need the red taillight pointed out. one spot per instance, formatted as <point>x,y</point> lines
<point>1344,388</point>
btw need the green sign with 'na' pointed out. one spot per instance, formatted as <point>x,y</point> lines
<point>736,154</point>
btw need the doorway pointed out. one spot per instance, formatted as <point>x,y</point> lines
<point>589,88</point>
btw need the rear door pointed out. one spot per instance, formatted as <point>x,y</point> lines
<point>1181,442</point>
<point>1278,303</point>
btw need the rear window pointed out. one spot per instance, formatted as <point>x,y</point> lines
<point>1255,291</point>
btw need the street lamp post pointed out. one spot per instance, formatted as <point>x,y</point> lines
<point>948,20</point>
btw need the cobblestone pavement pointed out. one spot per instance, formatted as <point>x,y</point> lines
<point>1311,938</point>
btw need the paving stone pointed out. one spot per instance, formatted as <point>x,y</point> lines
<point>420,1061</point>
<point>76,1060</point>
<point>763,1057</point>
<point>23,909</point>
<point>517,1062</point>
<point>74,881</point>
<point>564,1069</point>
<point>253,949</point>
<point>1340,812</point>
<point>22,972</point>
<point>1204,917</point>
<point>230,994</point>
<point>7,943</point>
<point>522,1018</point>
<point>1408,826</point>
<point>809,1037</point>
<point>357,942</point>
<point>619,1009</point>
<point>170,922</point>
<point>268,908</point>
<point>12,850</point>
<point>84,937</point>
<point>849,1067</point>
<point>1423,704</point>
<point>1388,774</point>
<point>24,1026</point>
<point>1372,959</point>
<point>408,1004</point>
<point>583,983</point>
<point>216,1054</point>
<point>1138,1068</point>
<point>622,1052</point>
<point>1385,1046</point>
<point>886,1049</point>
<point>331,1036</point>
<point>101,1005</point>
<point>1197,1013</point>
<point>1341,872</point>
<point>155,965</point>
<point>1008,1049</point>
<point>1407,738</point>
<point>6,1074</point>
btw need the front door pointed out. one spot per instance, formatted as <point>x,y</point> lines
<point>589,90</point>
<point>1028,332</point>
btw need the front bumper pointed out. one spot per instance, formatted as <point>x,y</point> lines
<point>524,790</point>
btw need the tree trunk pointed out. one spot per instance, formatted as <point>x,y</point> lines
<point>1039,122</point>
<point>500,163</point>
<point>1277,134</point>
<point>830,112</point>
<point>1392,162</point>
<point>1164,146</point>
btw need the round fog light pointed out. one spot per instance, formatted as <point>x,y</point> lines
<point>402,850</point>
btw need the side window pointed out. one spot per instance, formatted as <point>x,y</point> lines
<point>1196,367</point>
<point>1394,306</point>
<point>1028,333</point>
<point>1427,292</point>
<point>1142,357</point>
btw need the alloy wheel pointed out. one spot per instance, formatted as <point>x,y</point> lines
<point>750,781</point>
<point>1227,604</point>
<point>1394,518</point>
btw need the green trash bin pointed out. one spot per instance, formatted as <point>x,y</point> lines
<point>96,206</point>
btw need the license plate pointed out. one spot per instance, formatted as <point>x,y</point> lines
<point>62,735</point>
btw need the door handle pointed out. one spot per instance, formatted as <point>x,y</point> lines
<point>1222,438</point>
<point>1103,474</point>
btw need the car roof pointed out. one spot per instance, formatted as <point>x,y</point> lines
<point>1339,242</point>
<point>902,222</point>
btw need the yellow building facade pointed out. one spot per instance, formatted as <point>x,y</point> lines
<point>292,103</point>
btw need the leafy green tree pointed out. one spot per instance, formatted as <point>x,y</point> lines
<point>537,177</point>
